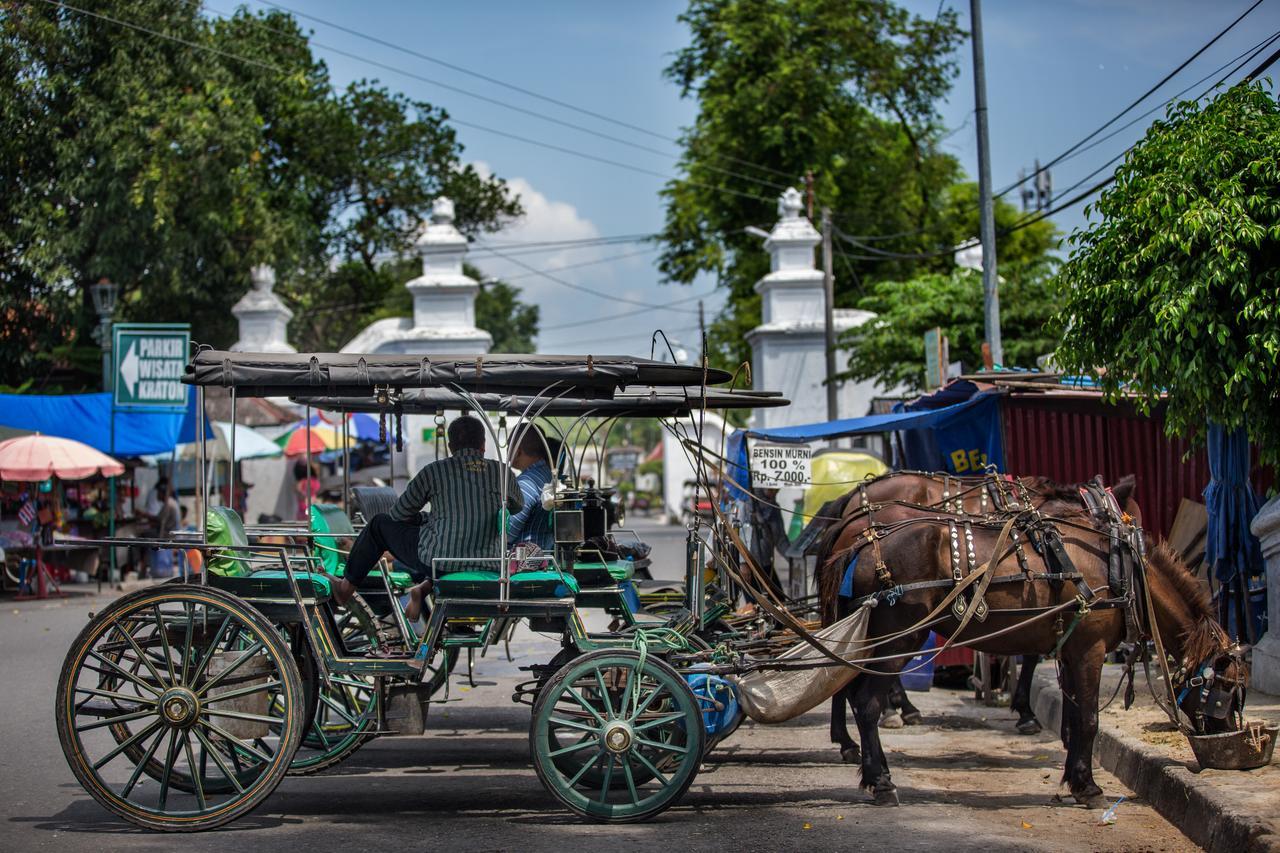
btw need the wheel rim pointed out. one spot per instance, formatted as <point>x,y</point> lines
<point>165,707</point>
<point>614,742</point>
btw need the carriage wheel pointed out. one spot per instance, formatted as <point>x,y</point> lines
<point>604,718</point>
<point>164,711</point>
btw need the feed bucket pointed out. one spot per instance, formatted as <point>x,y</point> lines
<point>253,671</point>
<point>1245,749</point>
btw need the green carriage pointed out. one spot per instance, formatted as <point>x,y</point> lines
<point>182,706</point>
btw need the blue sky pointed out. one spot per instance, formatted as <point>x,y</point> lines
<point>1055,71</point>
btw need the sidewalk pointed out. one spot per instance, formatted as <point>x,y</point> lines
<point>1224,811</point>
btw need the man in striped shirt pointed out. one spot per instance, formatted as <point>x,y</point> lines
<point>465,494</point>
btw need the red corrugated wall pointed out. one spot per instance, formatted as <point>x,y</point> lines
<point>1070,439</point>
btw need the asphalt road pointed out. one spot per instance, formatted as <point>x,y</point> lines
<point>967,781</point>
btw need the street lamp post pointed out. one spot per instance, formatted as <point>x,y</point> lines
<point>104,294</point>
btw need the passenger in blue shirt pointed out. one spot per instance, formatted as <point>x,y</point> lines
<point>532,523</point>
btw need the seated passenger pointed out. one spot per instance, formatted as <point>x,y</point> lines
<point>465,494</point>
<point>533,523</point>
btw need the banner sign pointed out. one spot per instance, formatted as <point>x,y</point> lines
<point>776,466</point>
<point>149,359</point>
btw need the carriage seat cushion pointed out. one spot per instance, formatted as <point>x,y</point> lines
<point>481,584</point>
<point>610,573</point>
<point>274,584</point>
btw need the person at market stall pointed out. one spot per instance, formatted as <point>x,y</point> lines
<point>155,498</point>
<point>532,523</point>
<point>465,493</point>
<point>308,486</point>
<point>167,520</point>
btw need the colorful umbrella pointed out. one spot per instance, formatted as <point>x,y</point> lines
<point>322,438</point>
<point>34,458</point>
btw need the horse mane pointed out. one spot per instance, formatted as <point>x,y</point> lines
<point>1205,638</point>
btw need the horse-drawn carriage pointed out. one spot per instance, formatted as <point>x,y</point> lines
<point>182,706</point>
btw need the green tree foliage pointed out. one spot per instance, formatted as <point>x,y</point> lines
<point>172,170</point>
<point>1176,287</point>
<point>890,348</point>
<point>845,89</point>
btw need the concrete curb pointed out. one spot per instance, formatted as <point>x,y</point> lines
<point>1205,814</point>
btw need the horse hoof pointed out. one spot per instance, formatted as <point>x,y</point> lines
<point>851,755</point>
<point>1092,801</point>
<point>912,718</point>
<point>887,797</point>
<point>891,720</point>
<point>1029,727</point>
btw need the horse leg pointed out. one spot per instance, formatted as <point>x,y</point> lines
<point>1085,666</point>
<point>899,699</point>
<point>1021,703</point>
<point>849,750</point>
<point>869,699</point>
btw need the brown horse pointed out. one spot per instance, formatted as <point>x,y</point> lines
<point>976,496</point>
<point>916,549</point>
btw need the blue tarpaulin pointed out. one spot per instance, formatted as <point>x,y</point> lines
<point>87,418</point>
<point>1231,549</point>
<point>961,438</point>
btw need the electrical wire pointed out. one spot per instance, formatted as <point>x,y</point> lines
<point>550,277</point>
<point>596,262</point>
<point>668,307</point>
<point>1143,97</point>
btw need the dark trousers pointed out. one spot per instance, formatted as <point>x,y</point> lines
<point>384,533</point>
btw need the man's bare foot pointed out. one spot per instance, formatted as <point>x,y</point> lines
<point>413,610</point>
<point>343,589</point>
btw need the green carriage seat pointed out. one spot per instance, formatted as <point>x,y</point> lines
<point>228,569</point>
<point>330,519</point>
<point>524,585</point>
<point>594,574</point>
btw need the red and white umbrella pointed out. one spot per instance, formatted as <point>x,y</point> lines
<point>34,458</point>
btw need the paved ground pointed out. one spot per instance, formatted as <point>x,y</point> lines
<point>967,782</point>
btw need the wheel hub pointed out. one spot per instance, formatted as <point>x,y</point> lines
<point>179,707</point>
<point>618,737</point>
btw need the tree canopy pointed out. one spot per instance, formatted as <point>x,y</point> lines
<point>172,168</point>
<point>1175,288</point>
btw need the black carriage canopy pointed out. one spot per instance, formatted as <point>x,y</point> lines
<point>354,374</point>
<point>663,402</point>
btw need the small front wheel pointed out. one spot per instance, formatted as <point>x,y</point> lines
<point>617,738</point>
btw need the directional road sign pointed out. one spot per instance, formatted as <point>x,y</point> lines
<point>149,360</point>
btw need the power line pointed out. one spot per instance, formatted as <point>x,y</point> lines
<point>1143,97</point>
<point>596,262</point>
<point>478,96</point>
<point>572,286</point>
<point>516,88</point>
<point>580,241</point>
<point>577,324</point>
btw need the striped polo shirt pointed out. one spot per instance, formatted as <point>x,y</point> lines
<point>533,523</point>
<point>465,494</point>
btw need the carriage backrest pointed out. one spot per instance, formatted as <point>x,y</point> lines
<point>226,529</point>
<point>330,519</point>
<point>368,501</point>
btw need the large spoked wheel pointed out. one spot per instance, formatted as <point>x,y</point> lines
<point>165,711</point>
<point>617,739</point>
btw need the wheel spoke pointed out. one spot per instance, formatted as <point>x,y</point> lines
<point>126,673</point>
<point>118,718</point>
<point>119,697</point>
<point>191,625</point>
<point>650,766</point>
<point>121,747</point>
<point>324,739</point>
<point>571,724</point>
<point>658,721</point>
<point>608,777</point>
<point>168,768</point>
<point>648,700</point>
<point>195,771</point>
<point>604,694</point>
<point>140,766</point>
<point>210,749</point>
<point>577,747</point>
<point>631,780</point>
<point>246,691</point>
<point>164,642</point>
<point>236,743</point>
<point>583,702</point>
<point>626,693</point>
<point>666,747</point>
<point>337,709</point>
<point>208,655</point>
<point>242,715</point>
<point>587,765</point>
<point>239,662</point>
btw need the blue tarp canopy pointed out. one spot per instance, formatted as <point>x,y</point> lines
<point>87,418</point>
<point>894,422</point>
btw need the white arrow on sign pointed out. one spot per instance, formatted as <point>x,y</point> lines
<point>129,367</point>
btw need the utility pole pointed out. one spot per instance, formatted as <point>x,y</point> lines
<point>702,334</point>
<point>987,224</point>
<point>829,306</point>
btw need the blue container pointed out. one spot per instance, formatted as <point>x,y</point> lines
<point>917,675</point>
